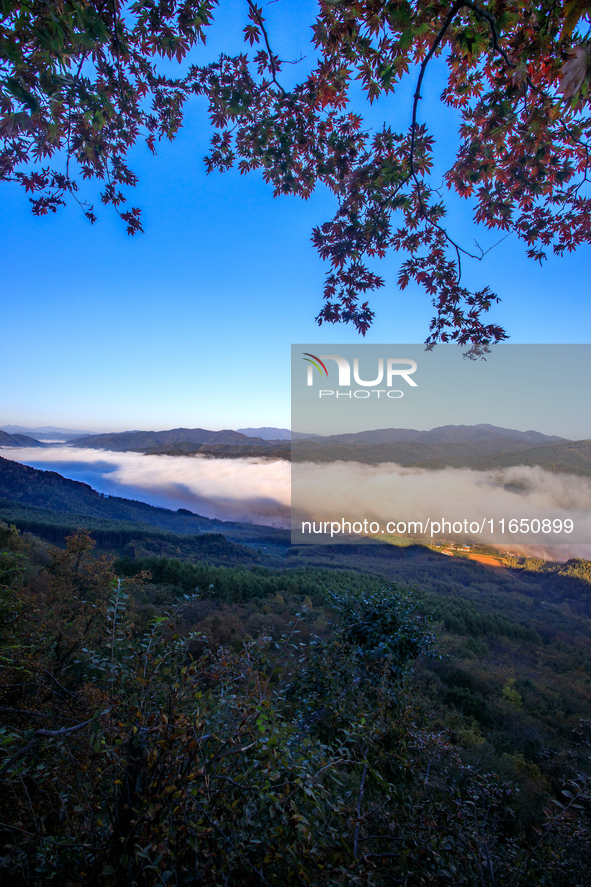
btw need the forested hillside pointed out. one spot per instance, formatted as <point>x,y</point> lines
<point>142,440</point>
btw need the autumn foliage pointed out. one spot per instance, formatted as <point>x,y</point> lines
<point>80,84</point>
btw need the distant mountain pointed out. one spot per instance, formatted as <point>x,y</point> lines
<point>49,432</point>
<point>480,447</point>
<point>267,433</point>
<point>18,440</point>
<point>457,433</point>
<point>141,440</point>
<point>448,445</point>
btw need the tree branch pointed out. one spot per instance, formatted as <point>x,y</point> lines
<point>117,52</point>
<point>482,13</point>
<point>417,96</point>
<point>260,21</point>
<point>38,734</point>
<point>359,800</point>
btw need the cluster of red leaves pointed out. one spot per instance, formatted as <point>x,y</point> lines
<point>523,156</point>
<point>79,81</point>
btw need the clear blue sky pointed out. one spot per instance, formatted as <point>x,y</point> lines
<point>190,324</point>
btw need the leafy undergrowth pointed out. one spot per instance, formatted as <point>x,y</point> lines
<point>295,728</point>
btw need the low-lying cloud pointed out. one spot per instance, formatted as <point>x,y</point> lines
<point>392,493</point>
<point>249,490</point>
<point>259,490</point>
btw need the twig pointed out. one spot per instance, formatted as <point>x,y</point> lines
<point>545,833</point>
<point>359,800</point>
<point>36,714</point>
<point>65,689</point>
<point>281,651</point>
<point>233,846</point>
<point>46,840</point>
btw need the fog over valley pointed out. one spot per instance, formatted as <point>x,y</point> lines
<point>390,492</point>
<point>250,490</point>
<point>258,490</point>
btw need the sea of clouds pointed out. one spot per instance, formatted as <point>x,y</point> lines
<point>249,490</point>
<point>259,490</point>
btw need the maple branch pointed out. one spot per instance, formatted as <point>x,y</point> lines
<point>481,13</point>
<point>581,144</point>
<point>115,24</point>
<point>260,21</point>
<point>69,151</point>
<point>442,230</point>
<point>413,127</point>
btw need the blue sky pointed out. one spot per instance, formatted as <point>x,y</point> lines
<point>190,324</point>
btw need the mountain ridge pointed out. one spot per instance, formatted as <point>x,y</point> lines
<point>442,434</point>
<point>139,440</point>
<point>174,438</point>
<point>46,430</point>
<point>267,433</point>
